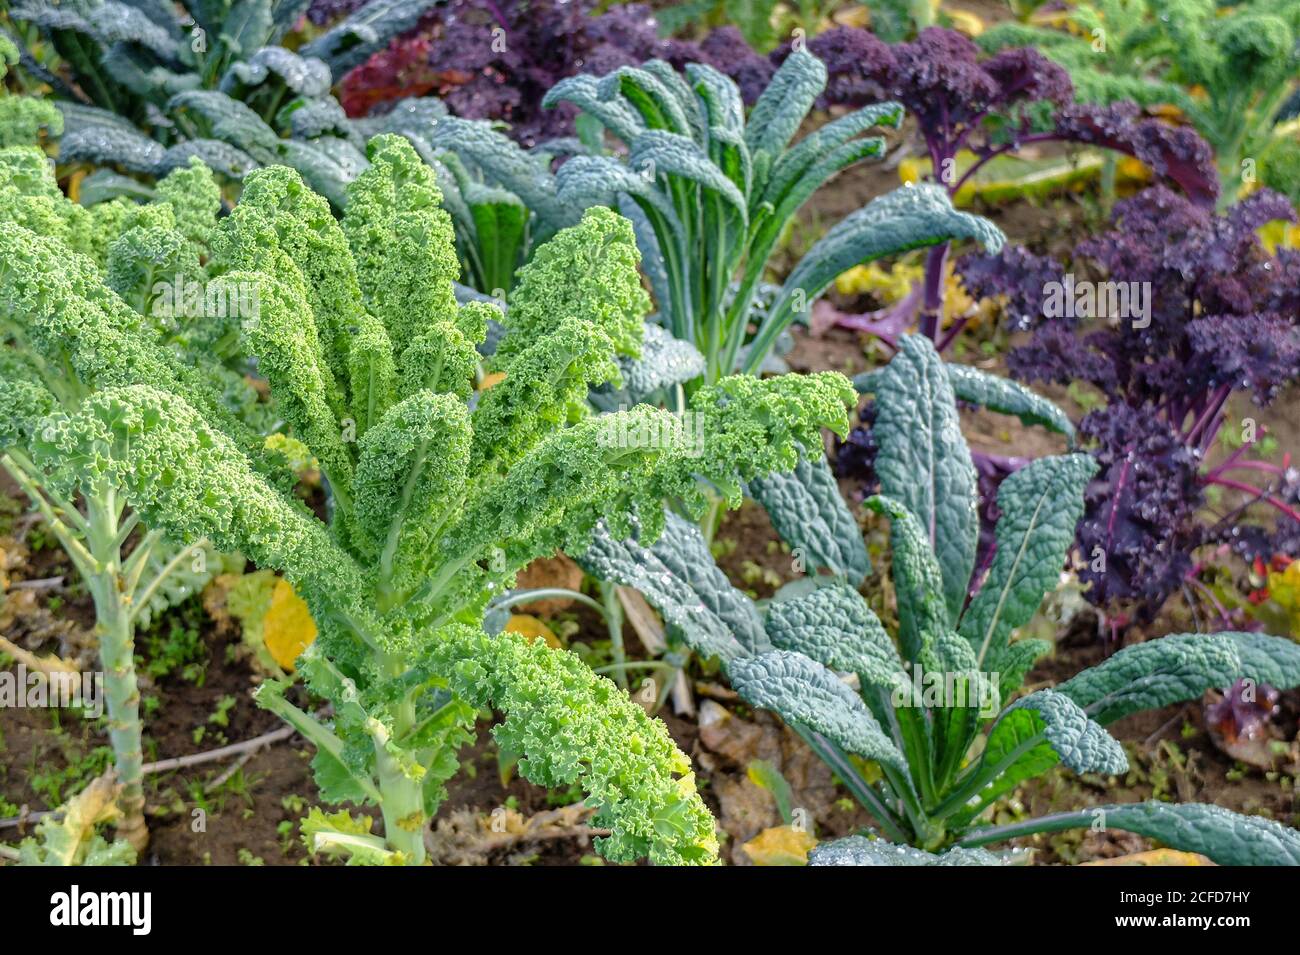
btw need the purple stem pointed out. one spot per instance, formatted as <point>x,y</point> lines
<point>1212,407</point>
<point>1265,466</point>
<point>932,309</point>
<point>1260,495</point>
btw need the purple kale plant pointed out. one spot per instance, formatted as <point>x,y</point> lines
<point>496,59</point>
<point>989,107</point>
<point>1220,318</point>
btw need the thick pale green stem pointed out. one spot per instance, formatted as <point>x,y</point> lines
<point>116,636</point>
<point>401,797</point>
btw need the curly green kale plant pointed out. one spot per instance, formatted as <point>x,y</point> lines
<point>69,277</point>
<point>437,496</point>
<point>931,704</point>
<point>1234,72</point>
<point>711,193</point>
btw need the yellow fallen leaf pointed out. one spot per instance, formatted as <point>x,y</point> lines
<point>74,185</point>
<point>287,628</point>
<point>1155,857</point>
<point>965,22</point>
<point>495,378</point>
<point>910,171</point>
<point>532,628</point>
<point>780,845</point>
<point>856,16</point>
<point>1279,234</point>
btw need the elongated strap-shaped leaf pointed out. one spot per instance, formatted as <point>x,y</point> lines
<point>803,692</point>
<point>583,91</point>
<point>924,462</point>
<point>791,166</point>
<point>1267,659</point>
<point>678,577</point>
<point>834,626</point>
<point>413,117</point>
<point>350,43</point>
<point>104,184</point>
<point>501,225</point>
<point>859,850</point>
<point>659,152</point>
<point>306,76</point>
<point>781,109</point>
<point>139,72</point>
<point>1016,660</point>
<point>827,165</point>
<point>1039,730</point>
<point>1180,667</point>
<point>586,181</point>
<point>809,513</point>
<point>910,217</point>
<point>922,613</point>
<point>222,158</point>
<point>1041,504</point>
<point>723,107</point>
<point>656,102</point>
<point>247,26</point>
<point>502,160</point>
<point>1007,397</point>
<point>78,114</point>
<point>230,121</point>
<point>681,91</point>
<point>319,117</point>
<point>1227,838</point>
<point>107,23</point>
<point>111,146</point>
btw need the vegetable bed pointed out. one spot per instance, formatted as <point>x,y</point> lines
<point>467,433</point>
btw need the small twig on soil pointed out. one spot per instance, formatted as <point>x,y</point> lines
<point>44,583</point>
<point>1160,732</point>
<point>26,523</point>
<point>230,770</point>
<point>539,835</point>
<point>234,749</point>
<point>24,818</point>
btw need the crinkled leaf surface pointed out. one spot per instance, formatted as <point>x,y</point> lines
<point>859,850</point>
<point>1007,397</point>
<point>809,513</point>
<point>803,692</point>
<point>678,577</point>
<point>924,463</point>
<point>834,626</point>
<point>1180,667</point>
<point>1041,503</point>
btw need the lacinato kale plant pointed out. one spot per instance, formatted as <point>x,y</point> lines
<point>1220,320</point>
<point>438,493</point>
<point>1234,73</point>
<point>496,61</point>
<point>80,311</point>
<point>969,110</point>
<point>931,705</point>
<point>145,86</point>
<point>712,191</point>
